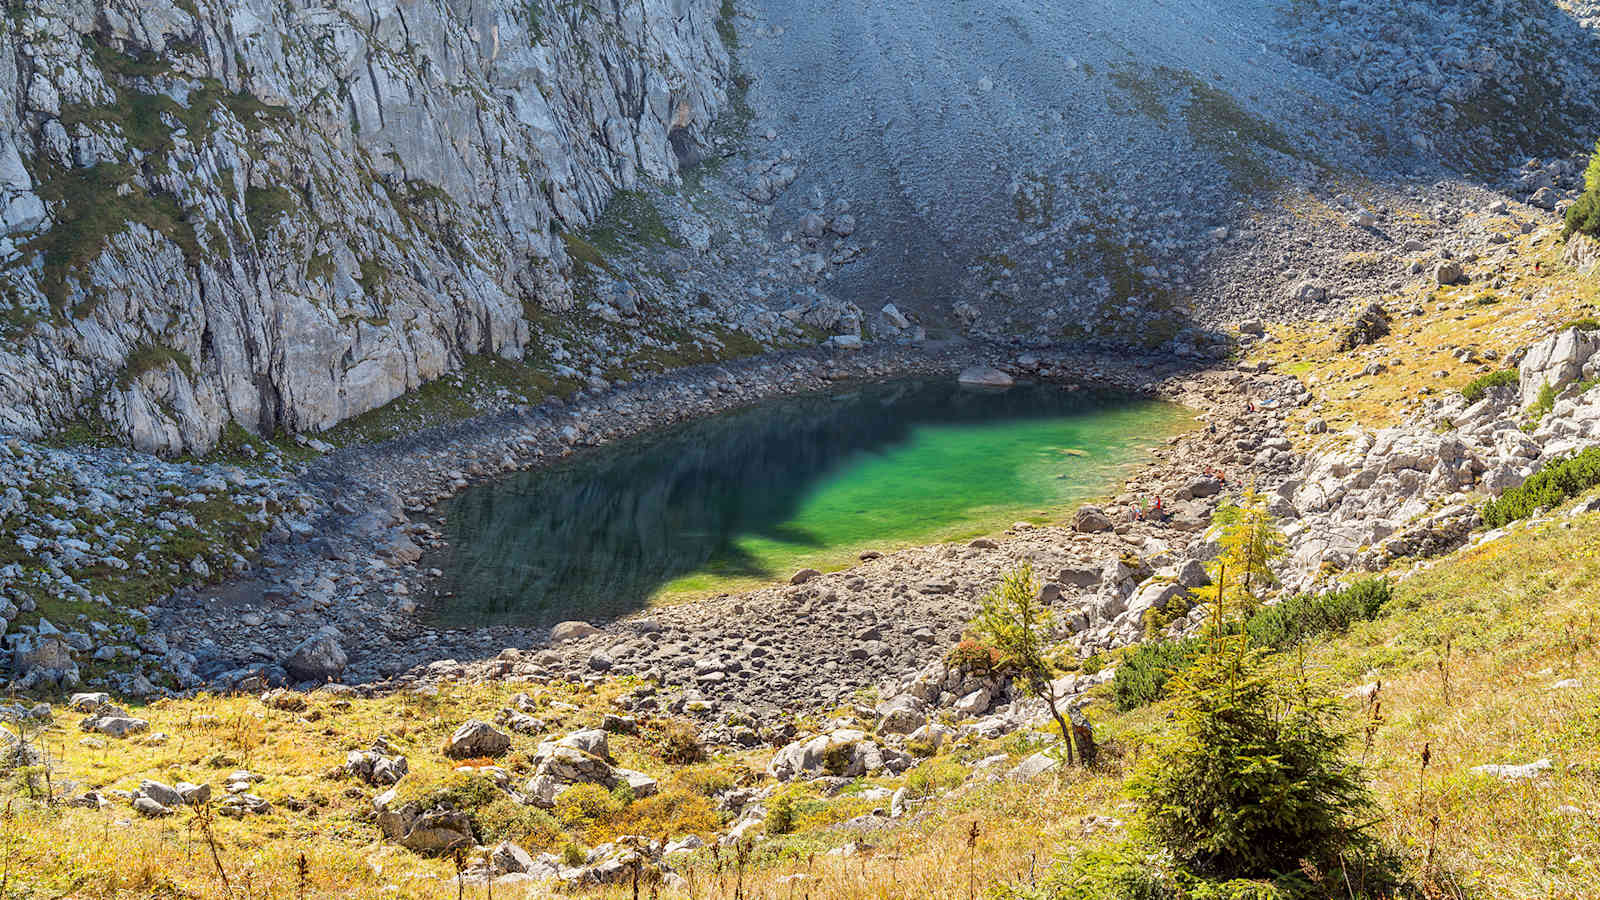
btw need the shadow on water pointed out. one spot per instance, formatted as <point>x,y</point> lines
<point>594,537</point>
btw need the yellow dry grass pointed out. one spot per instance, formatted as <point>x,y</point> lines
<point>1419,353</point>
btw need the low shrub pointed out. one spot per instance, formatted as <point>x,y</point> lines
<point>1542,405</point>
<point>709,780</point>
<point>780,818</point>
<point>1587,323</point>
<point>1143,674</point>
<point>507,820</point>
<point>1550,487</point>
<point>676,810</point>
<point>972,655</point>
<point>494,814</point>
<point>935,777</point>
<point>837,757</point>
<point>1583,217</point>
<point>1127,871</point>
<point>680,744</point>
<point>583,805</point>
<point>459,791</point>
<point>1478,387</point>
<point>1305,616</point>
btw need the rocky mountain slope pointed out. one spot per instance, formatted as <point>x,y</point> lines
<point>1077,170</point>
<point>286,214</point>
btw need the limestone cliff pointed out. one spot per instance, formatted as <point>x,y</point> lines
<point>287,212</point>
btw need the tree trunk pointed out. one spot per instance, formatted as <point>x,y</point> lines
<point>1066,730</point>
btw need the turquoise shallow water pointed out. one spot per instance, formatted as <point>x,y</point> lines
<point>752,496</point>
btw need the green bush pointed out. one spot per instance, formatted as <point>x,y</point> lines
<point>1143,673</point>
<point>1542,405</point>
<point>780,820</point>
<point>1129,872</point>
<point>1550,487</point>
<point>495,816</point>
<point>1305,616</point>
<point>1587,323</point>
<point>1253,782</point>
<point>1478,387</point>
<point>507,820</point>
<point>1584,216</point>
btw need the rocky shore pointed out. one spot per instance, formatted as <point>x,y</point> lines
<point>361,572</point>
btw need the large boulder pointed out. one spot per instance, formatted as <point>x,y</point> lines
<point>476,739</point>
<point>579,758</point>
<point>317,658</point>
<point>844,752</point>
<point>985,376</point>
<point>1090,519</point>
<point>1559,360</point>
<point>1372,323</point>
<point>571,631</point>
<point>1156,593</point>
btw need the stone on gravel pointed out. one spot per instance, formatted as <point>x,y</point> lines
<point>985,376</point>
<point>317,658</point>
<point>1090,520</point>
<point>804,575</point>
<point>571,631</point>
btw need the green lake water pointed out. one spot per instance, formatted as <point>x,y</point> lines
<point>751,496</point>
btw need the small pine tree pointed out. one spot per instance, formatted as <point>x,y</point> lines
<point>1014,622</point>
<point>1254,780</point>
<point>1250,542</point>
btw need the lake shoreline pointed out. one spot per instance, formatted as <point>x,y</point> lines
<point>358,578</point>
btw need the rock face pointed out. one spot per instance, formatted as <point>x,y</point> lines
<point>1557,361</point>
<point>339,202</point>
